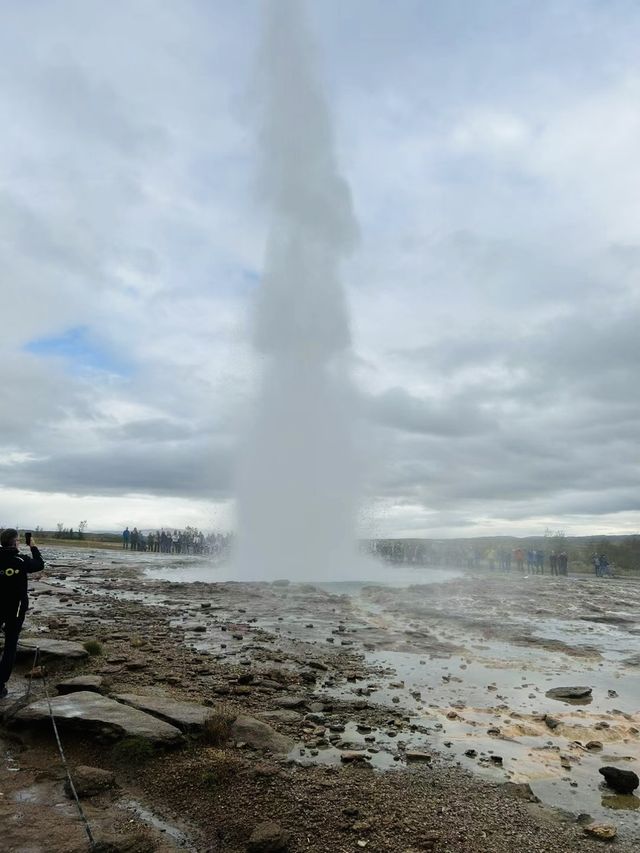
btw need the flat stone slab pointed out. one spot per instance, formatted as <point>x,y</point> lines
<point>80,682</point>
<point>291,702</point>
<point>283,716</point>
<point>51,648</point>
<point>187,716</point>
<point>569,692</point>
<point>96,713</point>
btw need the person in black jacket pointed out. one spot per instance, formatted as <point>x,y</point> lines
<point>14,598</point>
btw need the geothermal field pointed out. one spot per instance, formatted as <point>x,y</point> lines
<point>413,716</point>
<point>297,694</point>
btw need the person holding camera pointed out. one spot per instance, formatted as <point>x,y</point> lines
<point>14,598</point>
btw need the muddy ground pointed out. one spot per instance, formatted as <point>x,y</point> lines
<point>415,678</point>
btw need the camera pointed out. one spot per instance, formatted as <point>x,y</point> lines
<point>27,538</point>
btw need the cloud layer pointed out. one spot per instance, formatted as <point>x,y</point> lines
<point>492,154</point>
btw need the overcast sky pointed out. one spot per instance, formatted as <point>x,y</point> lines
<point>493,152</point>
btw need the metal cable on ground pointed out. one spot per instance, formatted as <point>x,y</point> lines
<point>64,759</point>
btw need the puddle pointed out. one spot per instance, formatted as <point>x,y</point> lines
<point>377,748</point>
<point>472,658</point>
<point>177,836</point>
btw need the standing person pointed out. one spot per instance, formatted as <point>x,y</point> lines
<point>134,539</point>
<point>14,598</point>
<point>518,555</point>
<point>553,563</point>
<point>563,562</point>
<point>539,562</point>
<point>125,538</point>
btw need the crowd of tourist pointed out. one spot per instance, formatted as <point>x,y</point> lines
<point>167,541</point>
<point>533,560</point>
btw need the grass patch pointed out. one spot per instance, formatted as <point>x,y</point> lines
<point>132,752</point>
<point>217,725</point>
<point>94,647</point>
<point>223,765</point>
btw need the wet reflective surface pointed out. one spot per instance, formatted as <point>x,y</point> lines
<point>466,662</point>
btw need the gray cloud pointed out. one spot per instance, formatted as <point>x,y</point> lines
<point>494,296</point>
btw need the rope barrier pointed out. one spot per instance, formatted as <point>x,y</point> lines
<point>61,751</point>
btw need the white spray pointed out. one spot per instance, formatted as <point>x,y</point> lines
<point>297,491</point>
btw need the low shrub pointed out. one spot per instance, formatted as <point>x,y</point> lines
<point>217,725</point>
<point>223,765</point>
<point>94,647</point>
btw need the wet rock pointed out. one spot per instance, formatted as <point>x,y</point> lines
<point>569,692</point>
<point>551,722</point>
<point>268,837</point>
<point>98,714</point>
<point>186,716</point>
<point>80,682</point>
<point>471,753</point>
<point>622,781</point>
<point>317,719</point>
<point>259,735</point>
<point>593,745</point>
<point>603,831</point>
<point>89,781</point>
<point>349,756</point>
<point>521,790</point>
<point>418,755</point>
<point>63,649</point>
<point>283,716</point>
<point>136,665</point>
<point>291,701</point>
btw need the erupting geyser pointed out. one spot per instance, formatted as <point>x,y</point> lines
<point>297,493</point>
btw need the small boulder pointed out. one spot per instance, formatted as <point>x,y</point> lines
<point>521,790</point>
<point>418,755</point>
<point>569,692</point>
<point>259,735</point>
<point>268,837</point>
<point>603,831</point>
<point>622,781</point>
<point>89,781</point>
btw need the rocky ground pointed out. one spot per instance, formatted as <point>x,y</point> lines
<point>234,717</point>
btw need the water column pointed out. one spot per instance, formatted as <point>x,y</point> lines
<point>297,486</point>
